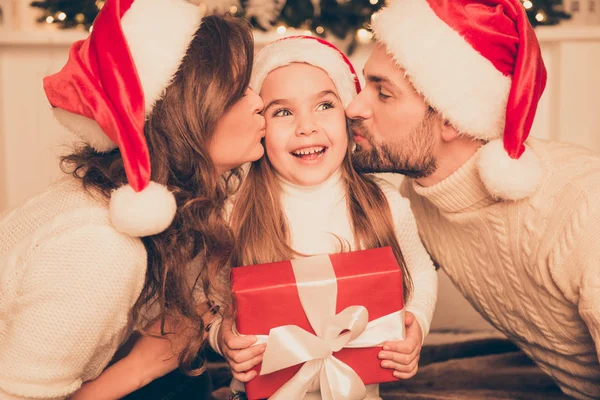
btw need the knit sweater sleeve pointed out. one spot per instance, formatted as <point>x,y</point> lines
<point>589,301</point>
<point>76,293</point>
<point>420,266</point>
<point>581,264</point>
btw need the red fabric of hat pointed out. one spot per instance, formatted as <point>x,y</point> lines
<point>109,84</point>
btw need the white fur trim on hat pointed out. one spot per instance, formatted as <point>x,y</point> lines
<point>309,51</point>
<point>144,213</point>
<point>508,178</point>
<point>158,34</point>
<point>87,129</point>
<point>459,82</point>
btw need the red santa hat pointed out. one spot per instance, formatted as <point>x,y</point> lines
<point>478,63</point>
<point>111,81</point>
<point>309,50</point>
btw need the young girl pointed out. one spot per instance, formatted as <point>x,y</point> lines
<point>304,198</point>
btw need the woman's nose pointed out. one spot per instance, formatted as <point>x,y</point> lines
<point>256,100</point>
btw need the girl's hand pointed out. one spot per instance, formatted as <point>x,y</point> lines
<point>403,356</point>
<point>240,351</point>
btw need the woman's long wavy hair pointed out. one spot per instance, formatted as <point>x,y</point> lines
<point>261,230</point>
<point>213,75</point>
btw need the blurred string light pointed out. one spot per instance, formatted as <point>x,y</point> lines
<point>335,19</point>
<point>540,16</point>
<point>363,36</point>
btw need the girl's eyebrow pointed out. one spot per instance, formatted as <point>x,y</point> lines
<point>275,102</point>
<point>285,101</point>
<point>325,93</point>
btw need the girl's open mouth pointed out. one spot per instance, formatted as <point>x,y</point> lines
<point>309,153</point>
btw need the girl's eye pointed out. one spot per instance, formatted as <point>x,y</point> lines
<point>282,112</point>
<point>325,106</point>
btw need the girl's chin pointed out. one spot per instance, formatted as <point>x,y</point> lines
<point>309,180</point>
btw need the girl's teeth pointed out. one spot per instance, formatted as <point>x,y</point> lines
<point>310,150</point>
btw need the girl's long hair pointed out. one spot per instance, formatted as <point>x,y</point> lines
<point>191,255</point>
<point>262,232</point>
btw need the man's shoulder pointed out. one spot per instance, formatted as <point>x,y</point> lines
<point>571,170</point>
<point>570,159</point>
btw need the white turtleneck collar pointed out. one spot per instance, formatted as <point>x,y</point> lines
<point>317,215</point>
<point>462,191</point>
<point>328,191</point>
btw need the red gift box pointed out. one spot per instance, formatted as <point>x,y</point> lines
<point>266,296</point>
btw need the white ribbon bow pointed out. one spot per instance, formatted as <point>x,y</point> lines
<point>291,345</point>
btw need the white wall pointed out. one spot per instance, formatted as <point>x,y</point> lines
<point>30,139</point>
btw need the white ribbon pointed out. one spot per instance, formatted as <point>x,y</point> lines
<point>291,345</point>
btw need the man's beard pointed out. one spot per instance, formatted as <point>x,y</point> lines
<point>415,160</point>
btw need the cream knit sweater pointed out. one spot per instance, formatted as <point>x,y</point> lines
<point>67,283</point>
<point>316,215</point>
<point>531,267</point>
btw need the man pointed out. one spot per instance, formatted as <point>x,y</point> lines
<point>452,89</point>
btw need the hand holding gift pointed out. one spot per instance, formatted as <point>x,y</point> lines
<point>324,317</point>
<point>241,352</point>
<point>403,356</point>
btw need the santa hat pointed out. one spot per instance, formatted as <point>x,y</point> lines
<point>478,63</point>
<point>309,50</point>
<point>111,81</point>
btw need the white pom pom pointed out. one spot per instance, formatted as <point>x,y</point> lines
<point>505,177</point>
<point>146,213</point>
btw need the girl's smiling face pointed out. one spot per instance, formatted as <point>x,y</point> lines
<point>306,134</point>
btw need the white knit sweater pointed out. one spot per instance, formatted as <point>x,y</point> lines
<point>68,281</point>
<point>318,217</point>
<point>531,267</point>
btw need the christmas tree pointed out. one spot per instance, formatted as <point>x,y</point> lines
<point>69,13</point>
<point>545,12</point>
<point>337,17</point>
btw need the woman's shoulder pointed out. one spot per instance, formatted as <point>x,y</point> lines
<point>74,247</point>
<point>63,196</point>
<point>66,217</point>
<point>88,228</point>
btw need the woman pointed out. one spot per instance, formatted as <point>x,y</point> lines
<point>162,102</point>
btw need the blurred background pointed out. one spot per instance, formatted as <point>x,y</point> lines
<point>35,39</point>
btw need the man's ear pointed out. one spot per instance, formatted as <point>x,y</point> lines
<point>448,131</point>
